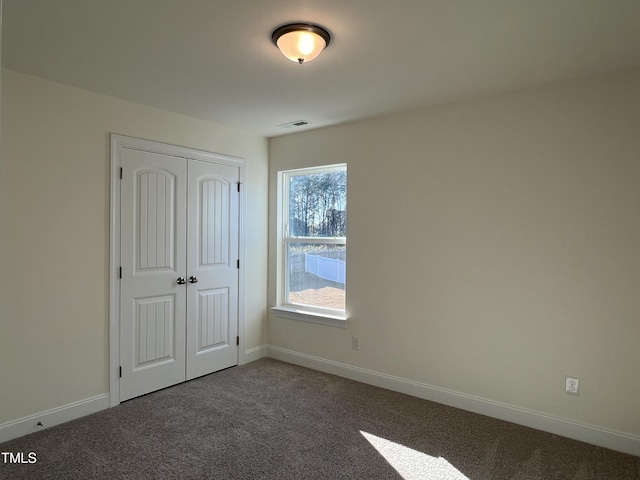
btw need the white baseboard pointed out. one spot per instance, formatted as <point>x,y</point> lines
<point>620,441</point>
<point>253,354</point>
<point>55,416</point>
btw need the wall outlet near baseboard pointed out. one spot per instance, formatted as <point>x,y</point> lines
<point>355,343</point>
<point>572,385</point>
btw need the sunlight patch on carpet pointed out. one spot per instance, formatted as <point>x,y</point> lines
<point>412,464</point>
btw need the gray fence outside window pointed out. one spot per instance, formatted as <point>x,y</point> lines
<point>329,265</point>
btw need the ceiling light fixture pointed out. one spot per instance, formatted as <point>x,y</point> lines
<point>301,42</point>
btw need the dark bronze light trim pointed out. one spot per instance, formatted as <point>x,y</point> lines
<point>305,27</point>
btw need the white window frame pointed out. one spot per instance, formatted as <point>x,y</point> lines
<point>283,309</point>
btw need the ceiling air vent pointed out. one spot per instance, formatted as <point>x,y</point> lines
<point>297,123</point>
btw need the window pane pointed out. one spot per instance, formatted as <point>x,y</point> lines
<point>318,205</point>
<point>317,274</point>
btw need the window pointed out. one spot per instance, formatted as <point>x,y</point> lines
<point>313,244</point>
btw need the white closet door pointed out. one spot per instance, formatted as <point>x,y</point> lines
<point>212,256</point>
<point>153,256</point>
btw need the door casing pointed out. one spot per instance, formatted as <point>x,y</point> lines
<point>118,142</point>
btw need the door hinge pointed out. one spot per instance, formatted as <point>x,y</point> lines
<point>120,372</point>
<point>120,173</point>
<point>237,340</point>
<point>239,187</point>
<point>238,263</point>
<point>120,272</point>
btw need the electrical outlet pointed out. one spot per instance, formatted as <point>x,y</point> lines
<point>355,343</point>
<point>572,385</point>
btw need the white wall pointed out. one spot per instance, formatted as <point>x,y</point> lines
<point>493,248</point>
<point>54,221</point>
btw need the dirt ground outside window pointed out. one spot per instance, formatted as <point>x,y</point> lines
<point>308,289</point>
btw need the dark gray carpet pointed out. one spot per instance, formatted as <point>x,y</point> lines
<point>272,420</point>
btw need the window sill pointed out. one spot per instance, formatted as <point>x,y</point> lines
<point>310,317</point>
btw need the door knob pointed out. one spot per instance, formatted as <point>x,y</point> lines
<point>181,281</point>
<point>193,279</point>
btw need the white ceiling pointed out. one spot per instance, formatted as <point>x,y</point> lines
<point>214,60</point>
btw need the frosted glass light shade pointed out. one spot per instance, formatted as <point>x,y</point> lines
<point>301,42</point>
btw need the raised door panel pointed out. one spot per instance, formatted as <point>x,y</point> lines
<point>155,329</point>
<point>214,221</point>
<point>213,319</point>
<point>155,210</point>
